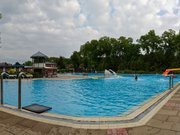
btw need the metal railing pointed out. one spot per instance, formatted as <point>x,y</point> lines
<point>2,98</point>
<point>1,89</point>
<point>19,88</point>
<point>171,81</point>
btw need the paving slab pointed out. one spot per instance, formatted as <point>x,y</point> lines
<point>12,120</point>
<point>161,117</point>
<point>176,127</point>
<point>168,112</point>
<point>143,130</point>
<point>15,130</point>
<point>6,133</point>
<point>165,132</point>
<point>27,123</point>
<point>175,119</point>
<point>2,127</point>
<point>60,130</point>
<point>29,132</point>
<point>4,115</point>
<point>74,131</point>
<point>96,132</point>
<point>42,127</point>
<point>64,131</point>
<point>160,124</point>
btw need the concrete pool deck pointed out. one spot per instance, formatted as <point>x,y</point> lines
<point>165,122</point>
<point>59,77</point>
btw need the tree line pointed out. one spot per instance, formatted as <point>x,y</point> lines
<point>149,53</point>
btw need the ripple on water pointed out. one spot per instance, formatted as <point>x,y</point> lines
<point>89,97</point>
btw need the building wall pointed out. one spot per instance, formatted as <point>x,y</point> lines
<point>39,65</point>
<point>45,69</point>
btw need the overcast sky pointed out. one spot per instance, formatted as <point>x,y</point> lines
<point>59,27</point>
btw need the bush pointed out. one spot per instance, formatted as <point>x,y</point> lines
<point>64,71</point>
<point>37,75</point>
<point>11,71</point>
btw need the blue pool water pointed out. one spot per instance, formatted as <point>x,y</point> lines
<point>88,97</point>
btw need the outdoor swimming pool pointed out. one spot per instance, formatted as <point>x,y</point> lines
<point>88,97</point>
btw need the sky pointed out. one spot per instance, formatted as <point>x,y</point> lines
<point>59,27</point>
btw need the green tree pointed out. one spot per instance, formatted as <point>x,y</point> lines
<point>177,53</point>
<point>76,59</point>
<point>28,63</point>
<point>170,47</point>
<point>61,63</point>
<point>150,44</point>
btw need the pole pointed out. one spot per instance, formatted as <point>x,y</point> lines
<point>169,82</point>
<point>19,92</point>
<point>1,90</point>
<point>172,81</point>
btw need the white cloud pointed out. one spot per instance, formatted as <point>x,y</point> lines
<point>59,27</point>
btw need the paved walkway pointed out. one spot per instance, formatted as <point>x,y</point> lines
<point>165,122</point>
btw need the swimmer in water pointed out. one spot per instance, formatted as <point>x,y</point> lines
<point>136,77</point>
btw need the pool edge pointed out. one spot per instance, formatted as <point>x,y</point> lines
<point>93,123</point>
